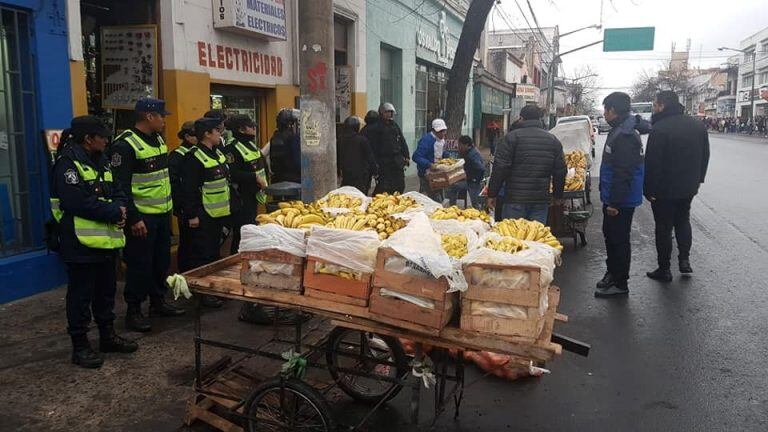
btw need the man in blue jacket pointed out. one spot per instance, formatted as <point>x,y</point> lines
<point>430,149</point>
<point>621,190</point>
<point>474,167</point>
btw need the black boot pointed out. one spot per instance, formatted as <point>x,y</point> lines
<point>135,320</point>
<point>606,281</point>
<point>660,274</point>
<point>83,355</point>
<point>253,313</point>
<point>109,341</point>
<point>212,302</point>
<point>685,267</point>
<point>162,309</point>
<point>619,288</point>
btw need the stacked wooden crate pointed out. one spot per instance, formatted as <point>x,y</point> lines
<point>271,269</point>
<point>353,289</point>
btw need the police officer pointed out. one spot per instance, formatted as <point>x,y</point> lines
<point>91,212</point>
<point>285,148</point>
<point>207,196</point>
<point>391,151</point>
<point>140,163</point>
<point>175,160</point>
<point>248,170</point>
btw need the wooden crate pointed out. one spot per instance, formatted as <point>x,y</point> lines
<point>350,291</point>
<point>444,179</point>
<point>264,280</point>
<point>419,286</point>
<point>528,295</point>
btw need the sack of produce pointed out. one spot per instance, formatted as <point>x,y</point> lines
<point>257,238</point>
<point>343,200</point>
<point>355,250</point>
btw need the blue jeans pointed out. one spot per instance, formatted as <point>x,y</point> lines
<point>533,212</point>
<point>473,190</point>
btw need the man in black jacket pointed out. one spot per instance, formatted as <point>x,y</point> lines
<point>354,157</point>
<point>391,151</point>
<point>676,162</point>
<point>526,162</point>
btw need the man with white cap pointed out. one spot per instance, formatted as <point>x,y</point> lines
<point>429,150</point>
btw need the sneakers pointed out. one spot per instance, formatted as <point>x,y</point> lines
<point>617,289</point>
<point>163,309</point>
<point>136,321</point>
<point>660,274</point>
<point>685,268</point>
<point>606,281</point>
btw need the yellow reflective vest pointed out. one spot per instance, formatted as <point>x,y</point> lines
<point>215,188</point>
<point>150,181</point>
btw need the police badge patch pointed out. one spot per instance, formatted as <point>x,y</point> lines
<point>71,177</point>
<point>117,160</point>
<point>230,158</point>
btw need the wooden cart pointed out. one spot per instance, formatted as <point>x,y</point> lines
<point>370,342</point>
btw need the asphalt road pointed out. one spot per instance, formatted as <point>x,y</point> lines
<point>684,356</point>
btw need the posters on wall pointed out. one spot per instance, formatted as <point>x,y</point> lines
<point>128,64</point>
<point>343,93</point>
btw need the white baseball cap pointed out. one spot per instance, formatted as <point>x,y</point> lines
<point>439,125</point>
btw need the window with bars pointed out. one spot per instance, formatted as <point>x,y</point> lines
<point>430,93</point>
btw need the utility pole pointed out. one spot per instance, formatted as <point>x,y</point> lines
<point>317,122</point>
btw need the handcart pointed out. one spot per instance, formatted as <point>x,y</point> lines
<point>364,357</point>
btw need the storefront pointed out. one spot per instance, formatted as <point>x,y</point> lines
<point>409,54</point>
<point>492,104</point>
<point>34,96</point>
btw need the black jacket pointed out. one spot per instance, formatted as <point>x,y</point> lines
<point>526,162</point>
<point>355,158</point>
<point>123,160</point>
<point>175,160</point>
<point>193,175</point>
<point>77,198</point>
<point>388,144</point>
<point>285,156</point>
<point>244,174</point>
<point>676,157</point>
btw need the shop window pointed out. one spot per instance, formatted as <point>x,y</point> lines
<point>241,100</point>
<point>21,208</point>
<point>430,94</point>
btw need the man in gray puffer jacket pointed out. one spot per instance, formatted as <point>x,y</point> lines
<point>526,162</point>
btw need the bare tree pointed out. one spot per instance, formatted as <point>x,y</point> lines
<point>458,77</point>
<point>581,89</point>
<point>645,86</point>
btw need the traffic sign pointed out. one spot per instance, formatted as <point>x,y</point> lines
<point>628,39</point>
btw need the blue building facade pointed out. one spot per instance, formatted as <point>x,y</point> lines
<point>35,96</point>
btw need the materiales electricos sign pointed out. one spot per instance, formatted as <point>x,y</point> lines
<point>254,17</point>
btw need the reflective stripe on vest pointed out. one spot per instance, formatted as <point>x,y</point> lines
<point>250,156</point>
<point>215,192</point>
<point>56,209</point>
<point>183,150</point>
<point>152,190</point>
<point>93,234</point>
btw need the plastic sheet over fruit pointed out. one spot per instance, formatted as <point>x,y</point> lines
<point>257,238</point>
<point>355,250</point>
<point>537,255</point>
<point>419,243</point>
<point>443,168</point>
<point>457,227</point>
<point>418,301</point>
<point>337,270</point>
<point>426,205</point>
<point>349,191</point>
<point>498,310</point>
<point>273,268</point>
<point>479,227</point>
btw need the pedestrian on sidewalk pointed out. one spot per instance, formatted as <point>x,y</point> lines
<point>355,160</point>
<point>91,212</point>
<point>676,160</point>
<point>474,168</point>
<point>140,164</point>
<point>621,190</point>
<point>391,151</point>
<point>527,161</point>
<point>429,150</point>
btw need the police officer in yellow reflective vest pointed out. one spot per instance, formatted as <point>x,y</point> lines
<point>248,170</point>
<point>91,214</point>
<point>140,163</point>
<point>207,195</point>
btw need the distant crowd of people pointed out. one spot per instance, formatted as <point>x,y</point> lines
<point>741,125</point>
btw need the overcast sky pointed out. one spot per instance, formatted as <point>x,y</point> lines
<point>709,24</point>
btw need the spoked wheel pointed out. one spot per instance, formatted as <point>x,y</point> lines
<point>287,404</point>
<point>370,354</point>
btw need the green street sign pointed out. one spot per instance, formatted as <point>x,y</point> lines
<point>628,39</point>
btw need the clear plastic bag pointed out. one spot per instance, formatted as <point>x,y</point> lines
<point>355,250</point>
<point>419,243</point>
<point>418,301</point>
<point>256,238</point>
<point>337,270</point>
<point>426,205</point>
<point>349,191</point>
<point>443,168</point>
<point>499,310</point>
<point>258,266</point>
<point>457,227</point>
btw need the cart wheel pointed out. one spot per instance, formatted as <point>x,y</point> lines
<point>366,352</point>
<point>287,404</point>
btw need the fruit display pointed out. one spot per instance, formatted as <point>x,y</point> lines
<point>334,270</point>
<point>461,215</point>
<point>340,201</point>
<point>506,244</point>
<point>576,159</point>
<point>295,214</point>
<point>523,229</point>
<point>577,182</point>
<point>446,162</point>
<point>386,204</point>
<point>455,245</point>
<point>383,225</point>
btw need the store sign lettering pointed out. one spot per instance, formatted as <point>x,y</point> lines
<point>240,60</point>
<point>438,44</point>
<point>261,17</point>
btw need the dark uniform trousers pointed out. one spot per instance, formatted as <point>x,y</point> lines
<point>246,215</point>
<point>672,215</point>
<point>616,230</point>
<point>182,252</point>
<point>147,260</point>
<point>391,180</point>
<point>205,241</point>
<point>91,288</point>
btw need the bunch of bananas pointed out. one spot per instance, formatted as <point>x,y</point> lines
<point>506,244</point>
<point>577,182</point>
<point>386,204</point>
<point>576,159</point>
<point>334,270</point>
<point>383,225</point>
<point>446,161</point>
<point>295,214</point>
<point>523,229</point>
<point>455,245</point>
<point>458,214</point>
<point>340,201</point>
